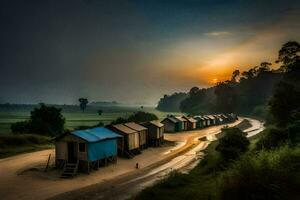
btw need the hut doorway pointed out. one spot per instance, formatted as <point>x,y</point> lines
<point>72,157</point>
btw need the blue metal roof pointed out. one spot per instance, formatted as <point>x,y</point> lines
<point>96,134</point>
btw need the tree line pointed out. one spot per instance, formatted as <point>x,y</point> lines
<point>247,92</point>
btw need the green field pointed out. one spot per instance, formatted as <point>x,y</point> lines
<point>74,116</point>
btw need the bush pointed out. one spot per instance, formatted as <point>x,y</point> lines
<point>294,133</point>
<point>272,138</point>
<point>20,127</point>
<point>232,144</point>
<point>268,175</point>
<point>140,117</point>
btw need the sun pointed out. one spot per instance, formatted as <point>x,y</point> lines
<point>215,80</point>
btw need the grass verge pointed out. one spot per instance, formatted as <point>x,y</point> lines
<point>11,145</point>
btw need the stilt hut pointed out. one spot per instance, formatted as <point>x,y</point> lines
<point>191,122</point>
<point>85,149</point>
<point>143,133</point>
<point>155,132</point>
<point>172,124</point>
<point>129,145</point>
<point>184,122</point>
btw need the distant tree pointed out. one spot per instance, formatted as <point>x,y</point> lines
<point>83,103</point>
<point>233,143</point>
<point>171,103</point>
<point>226,97</point>
<point>235,75</point>
<point>288,55</point>
<point>100,112</point>
<point>142,107</point>
<point>47,120</point>
<point>264,67</point>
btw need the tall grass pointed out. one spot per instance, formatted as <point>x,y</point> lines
<point>265,175</point>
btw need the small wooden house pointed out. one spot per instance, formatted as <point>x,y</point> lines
<point>143,133</point>
<point>86,149</point>
<point>219,119</point>
<point>129,144</point>
<point>191,122</point>
<point>172,124</point>
<point>184,122</point>
<point>200,121</point>
<point>207,120</point>
<point>155,132</point>
<point>212,119</point>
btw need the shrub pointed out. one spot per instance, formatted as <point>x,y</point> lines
<point>294,133</point>
<point>28,139</point>
<point>267,175</point>
<point>232,144</point>
<point>142,117</point>
<point>272,138</point>
<point>20,127</point>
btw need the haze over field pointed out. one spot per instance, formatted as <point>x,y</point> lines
<point>133,51</point>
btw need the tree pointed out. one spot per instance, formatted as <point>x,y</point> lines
<point>100,112</point>
<point>264,67</point>
<point>284,103</point>
<point>235,75</point>
<point>47,120</point>
<point>83,103</point>
<point>288,55</point>
<point>233,143</point>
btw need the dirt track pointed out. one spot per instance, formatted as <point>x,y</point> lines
<point>20,178</point>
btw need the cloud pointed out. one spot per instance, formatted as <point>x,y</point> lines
<point>218,33</point>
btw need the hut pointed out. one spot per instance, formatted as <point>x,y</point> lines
<point>129,145</point>
<point>207,120</point>
<point>172,124</point>
<point>83,150</point>
<point>155,132</point>
<point>219,119</point>
<point>143,133</point>
<point>184,122</point>
<point>191,122</point>
<point>225,118</point>
<point>212,119</point>
<point>201,122</point>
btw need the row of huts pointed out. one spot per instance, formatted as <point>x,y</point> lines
<point>88,149</point>
<point>83,150</point>
<point>184,123</point>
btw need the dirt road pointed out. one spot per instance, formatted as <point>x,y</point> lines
<point>20,177</point>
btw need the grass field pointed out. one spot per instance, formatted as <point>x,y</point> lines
<point>74,117</point>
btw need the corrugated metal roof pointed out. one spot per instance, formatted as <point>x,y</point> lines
<point>191,119</point>
<point>124,129</point>
<point>95,134</point>
<point>157,123</point>
<point>135,126</point>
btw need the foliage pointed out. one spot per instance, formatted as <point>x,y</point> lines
<point>267,175</point>
<point>171,103</point>
<point>119,120</point>
<point>272,138</point>
<point>99,112</point>
<point>44,120</point>
<point>138,117</point>
<point>83,103</point>
<point>21,127</point>
<point>289,55</point>
<point>232,144</point>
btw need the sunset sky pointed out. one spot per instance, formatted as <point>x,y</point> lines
<point>134,51</point>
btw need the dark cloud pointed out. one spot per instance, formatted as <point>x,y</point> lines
<point>56,51</point>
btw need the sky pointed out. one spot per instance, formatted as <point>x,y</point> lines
<point>134,51</point>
